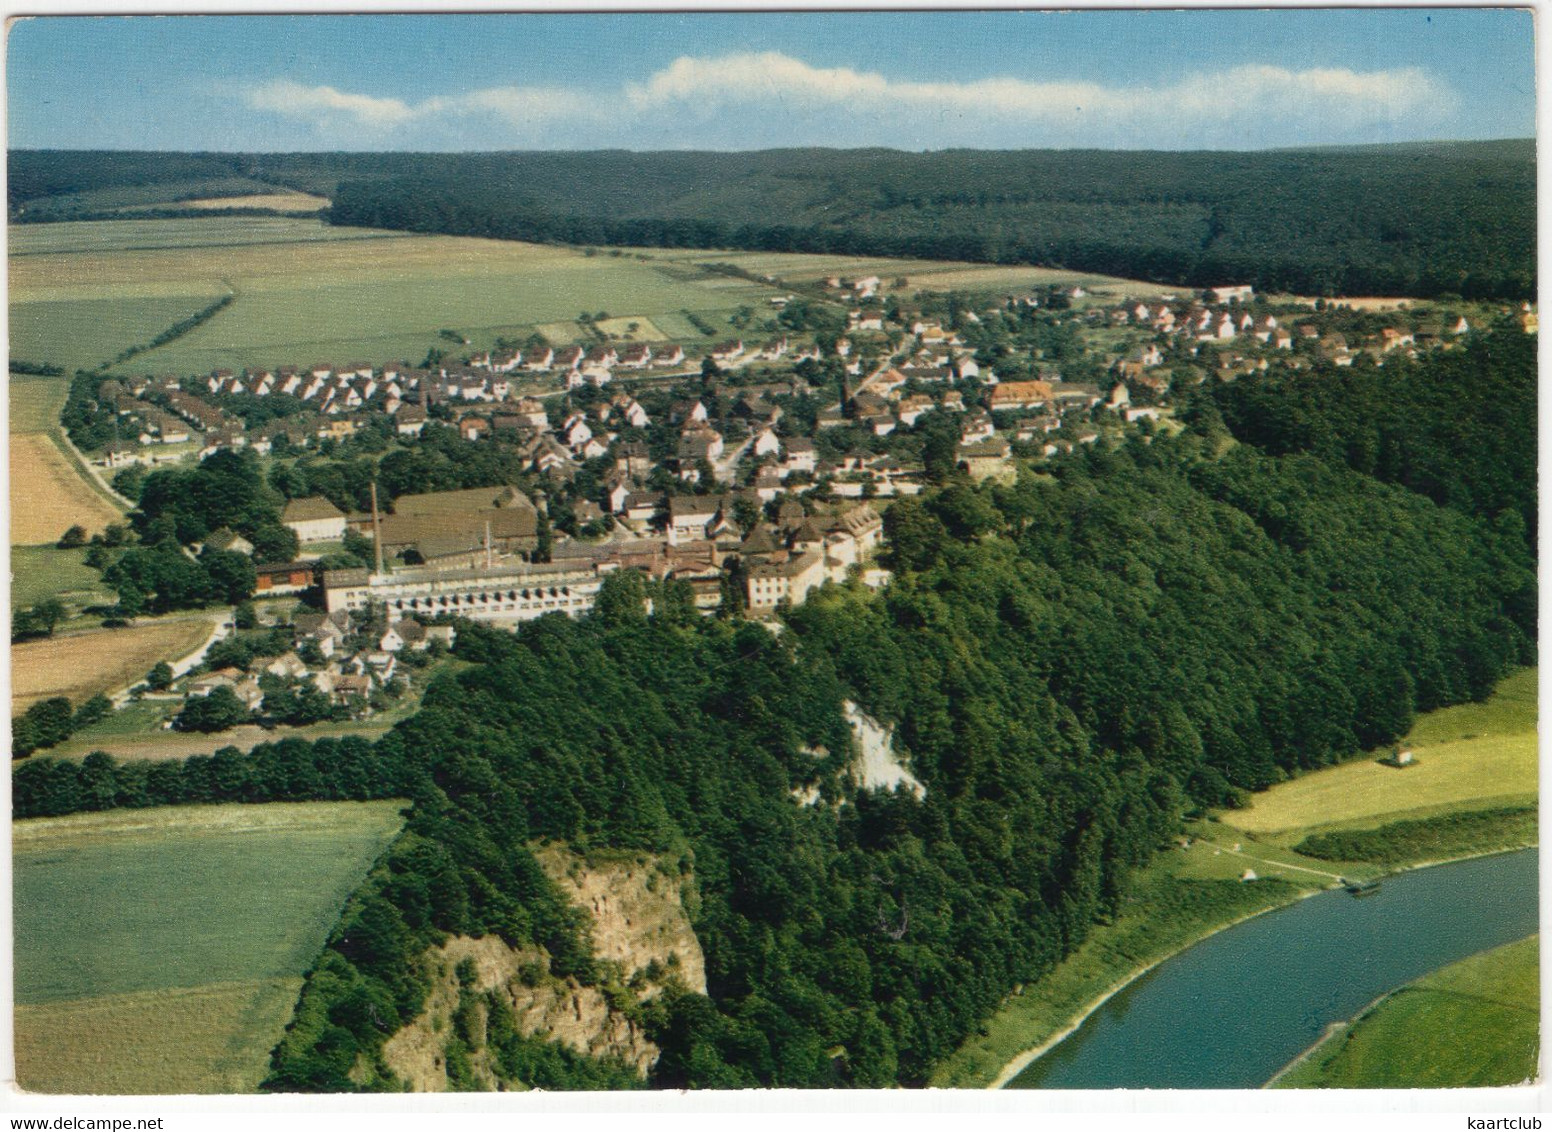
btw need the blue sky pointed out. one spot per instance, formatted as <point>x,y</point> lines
<point>911,80</point>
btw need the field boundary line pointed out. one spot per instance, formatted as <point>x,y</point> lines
<point>102,487</point>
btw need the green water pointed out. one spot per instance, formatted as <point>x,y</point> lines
<point>1233,1010</point>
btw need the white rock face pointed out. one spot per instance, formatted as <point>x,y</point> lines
<point>879,767</point>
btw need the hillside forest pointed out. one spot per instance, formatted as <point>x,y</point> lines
<point>1426,220</point>
<point>1072,662</point>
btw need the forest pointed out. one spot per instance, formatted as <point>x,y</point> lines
<point>1414,219</point>
<point>1071,663</point>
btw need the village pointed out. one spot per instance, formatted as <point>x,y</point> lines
<point>752,472</point>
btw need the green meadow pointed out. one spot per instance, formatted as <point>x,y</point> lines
<point>1473,1024</point>
<point>161,950</point>
<point>306,292</point>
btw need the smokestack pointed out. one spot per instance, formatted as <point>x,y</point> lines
<point>377,530</point>
<point>487,545</point>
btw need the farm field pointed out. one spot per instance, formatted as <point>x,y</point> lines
<point>307,292</point>
<point>35,402</point>
<point>83,333</point>
<point>1474,1024</point>
<point>48,494</point>
<point>160,950</point>
<point>40,572</point>
<point>280,202</point>
<point>164,194</point>
<point>135,733</point>
<point>80,665</point>
<point>937,275</point>
<point>1473,756</point>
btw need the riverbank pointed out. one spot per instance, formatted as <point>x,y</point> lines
<point>1236,1008</point>
<point>1029,1057</point>
<point>1170,907</point>
<point>1190,894</point>
<point>1472,1024</point>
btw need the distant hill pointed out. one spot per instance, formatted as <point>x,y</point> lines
<point>1416,219</point>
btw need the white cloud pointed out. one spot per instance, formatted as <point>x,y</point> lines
<point>521,105</point>
<point>324,105</point>
<point>1341,96</point>
<point>755,99</point>
<point>315,102</point>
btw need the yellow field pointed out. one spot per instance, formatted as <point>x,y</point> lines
<point>80,665</point>
<point>563,333</point>
<point>48,494</point>
<point>1472,756</point>
<point>162,745</point>
<point>280,202</point>
<point>210,1039</point>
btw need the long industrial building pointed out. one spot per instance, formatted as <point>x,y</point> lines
<point>498,594</point>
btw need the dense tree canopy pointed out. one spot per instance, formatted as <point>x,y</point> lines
<point>1417,219</point>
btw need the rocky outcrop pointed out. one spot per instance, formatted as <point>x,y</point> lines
<point>639,913</point>
<point>639,924</point>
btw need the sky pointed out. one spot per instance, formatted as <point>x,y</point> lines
<point>755,80</point>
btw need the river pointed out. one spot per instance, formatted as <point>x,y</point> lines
<point>1231,1011</point>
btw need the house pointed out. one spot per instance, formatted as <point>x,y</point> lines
<point>787,577</point>
<point>1238,293</point>
<point>767,484</point>
<point>643,506</point>
<point>248,691</point>
<point>441,634</point>
<point>633,459</point>
<point>911,408</point>
<point>403,634</point>
<point>314,519</point>
<point>203,685</point>
<point>532,412</point>
<point>692,412</point>
<point>224,538</point>
<point>801,455</point>
<point>668,356</point>
<point>615,495</point>
<point>574,431</point>
<point>350,686</point>
<point>1019,395</point>
<point>766,443</point>
<point>283,578</point>
<point>977,426</point>
<point>287,667</point>
<point>325,630</point>
<point>690,517</point>
<point>700,444</point>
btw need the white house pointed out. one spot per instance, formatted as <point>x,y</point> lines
<point>314,519</point>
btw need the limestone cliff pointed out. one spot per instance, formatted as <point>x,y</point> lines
<point>639,924</point>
